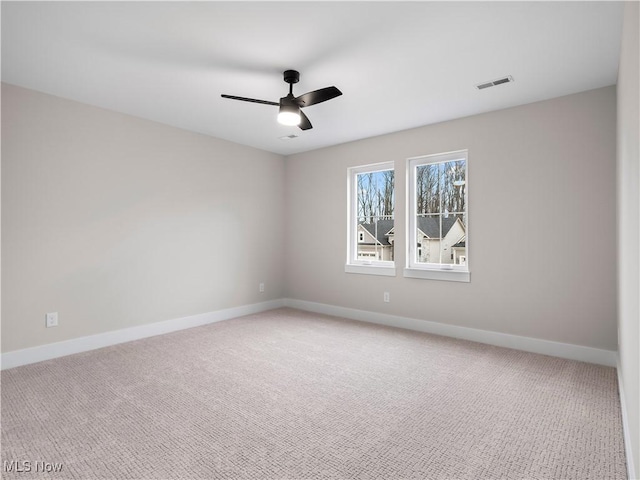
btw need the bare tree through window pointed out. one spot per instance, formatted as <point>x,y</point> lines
<point>375,223</point>
<point>441,212</point>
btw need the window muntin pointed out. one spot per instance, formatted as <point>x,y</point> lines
<point>438,221</point>
<point>371,215</point>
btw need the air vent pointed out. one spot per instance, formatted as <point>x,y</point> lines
<point>288,137</point>
<point>493,83</point>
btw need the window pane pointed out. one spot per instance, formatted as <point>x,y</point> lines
<point>375,204</point>
<point>375,194</point>
<point>377,239</point>
<point>440,213</point>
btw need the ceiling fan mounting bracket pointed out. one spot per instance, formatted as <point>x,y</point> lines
<point>291,76</point>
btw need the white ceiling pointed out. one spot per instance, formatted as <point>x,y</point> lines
<point>399,64</point>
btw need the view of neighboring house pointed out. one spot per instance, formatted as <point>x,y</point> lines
<point>449,248</point>
<point>375,240</point>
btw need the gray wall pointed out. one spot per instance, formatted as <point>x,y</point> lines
<point>114,221</point>
<point>542,223</point>
<point>629,222</point>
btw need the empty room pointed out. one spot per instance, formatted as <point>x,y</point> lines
<point>320,240</point>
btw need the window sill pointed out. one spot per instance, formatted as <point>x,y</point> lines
<point>433,274</point>
<point>371,270</point>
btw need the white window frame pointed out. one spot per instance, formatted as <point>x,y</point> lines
<point>433,271</point>
<point>353,264</point>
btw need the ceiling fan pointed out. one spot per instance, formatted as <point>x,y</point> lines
<point>290,113</point>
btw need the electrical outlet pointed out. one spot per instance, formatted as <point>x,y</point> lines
<point>261,288</point>
<point>51,319</point>
<point>386,297</point>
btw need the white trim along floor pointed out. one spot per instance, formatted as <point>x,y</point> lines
<point>545,347</point>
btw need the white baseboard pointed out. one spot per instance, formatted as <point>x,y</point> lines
<point>92,342</point>
<point>631,472</point>
<point>545,347</point>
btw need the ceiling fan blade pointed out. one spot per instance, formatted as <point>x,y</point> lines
<point>253,100</point>
<point>318,96</point>
<point>305,124</point>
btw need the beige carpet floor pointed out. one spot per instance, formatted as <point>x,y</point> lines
<point>293,395</point>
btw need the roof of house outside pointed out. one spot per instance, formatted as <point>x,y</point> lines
<point>430,226</point>
<point>383,227</point>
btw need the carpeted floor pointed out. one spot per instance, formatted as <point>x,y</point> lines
<point>294,395</point>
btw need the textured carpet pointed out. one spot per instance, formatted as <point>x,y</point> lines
<point>293,395</point>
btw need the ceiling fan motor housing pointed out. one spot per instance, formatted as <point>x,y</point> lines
<point>291,76</point>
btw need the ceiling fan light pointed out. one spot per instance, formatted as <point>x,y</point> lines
<point>289,115</point>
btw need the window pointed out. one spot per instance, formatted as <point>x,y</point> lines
<point>371,200</point>
<point>437,220</point>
